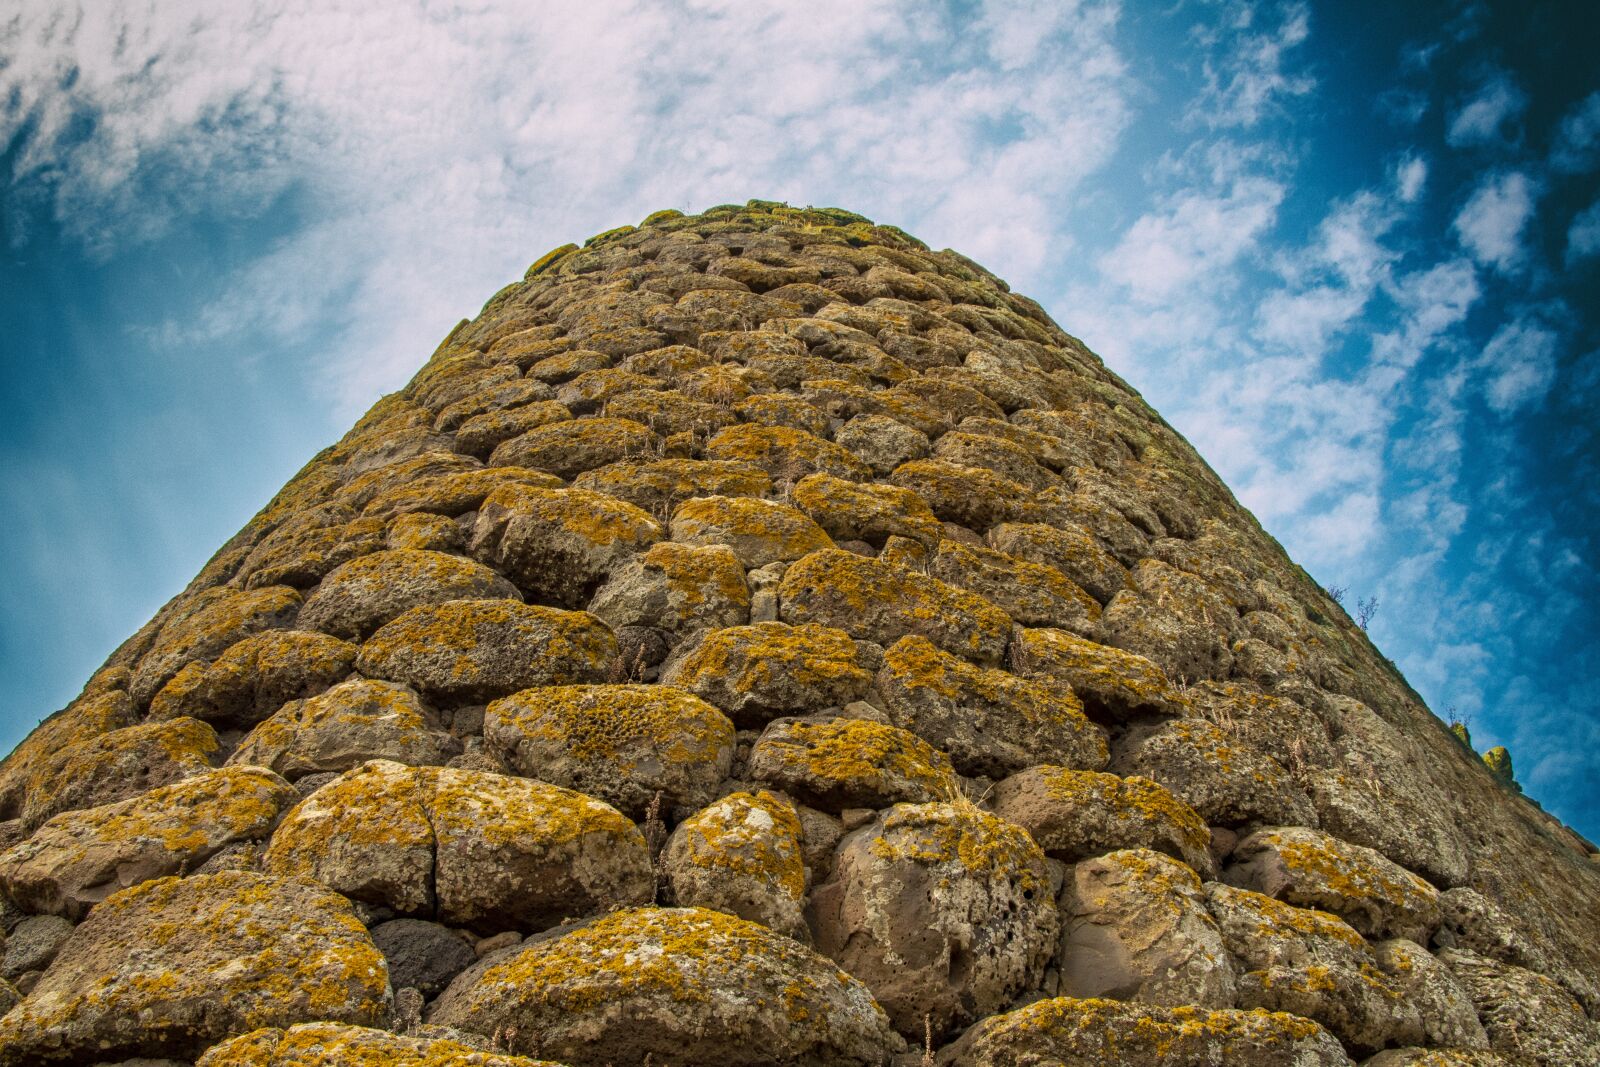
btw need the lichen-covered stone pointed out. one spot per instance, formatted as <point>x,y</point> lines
<point>1135,926</point>
<point>669,413</point>
<point>84,719</point>
<point>943,910</point>
<point>860,511</point>
<point>335,1045</point>
<point>629,745</point>
<point>117,765</point>
<point>758,531</point>
<point>1227,781</point>
<point>1070,549</point>
<point>742,855</point>
<point>682,986</point>
<point>838,763</point>
<point>1002,457</point>
<point>882,442</point>
<point>675,588</point>
<point>79,858</point>
<point>568,448</point>
<point>659,486</point>
<point>467,847</point>
<point>559,544</point>
<point>1068,1031</point>
<point>1117,685</point>
<point>480,435</point>
<point>989,721</point>
<point>1074,815</point>
<point>967,496</point>
<point>169,967</point>
<point>880,602</point>
<point>360,596</point>
<point>1033,594</point>
<point>206,625</point>
<point>455,493</point>
<point>255,677</point>
<point>1444,1010</point>
<point>346,726</point>
<point>1314,870</point>
<point>1311,963</point>
<point>758,672</point>
<point>469,650</point>
<point>1528,1018</point>
<point>787,455</point>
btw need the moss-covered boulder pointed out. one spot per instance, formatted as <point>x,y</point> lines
<point>1117,685</point>
<point>989,721</point>
<point>558,545</point>
<point>471,848</point>
<point>787,455</point>
<point>456,493</point>
<point>346,726</point>
<point>756,673</point>
<point>1226,781</point>
<point>630,745</point>
<point>1066,1030</point>
<point>476,650</point>
<point>659,486</point>
<point>568,448</point>
<point>681,986</point>
<point>1033,594</point>
<point>255,677</point>
<point>360,596</point>
<point>205,625</point>
<point>79,858</point>
<point>85,719</point>
<point>837,763</point>
<point>338,1045</point>
<point>170,967</point>
<point>744,855</point>
<point>1135,926</point>
<point>863,511</point>
<point>677,589</point>
<point>1076,815</point>
<point>758,531</point>
<point>943,910</point>
<point>119,764</point>
<point>880,602</point>
<point>1315,870</point>
<point>1069,548</point>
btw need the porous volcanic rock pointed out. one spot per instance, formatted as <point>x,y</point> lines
<point>743,581</point>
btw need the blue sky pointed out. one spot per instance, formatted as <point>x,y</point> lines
<point>1351,250</point>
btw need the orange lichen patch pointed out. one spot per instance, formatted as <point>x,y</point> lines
<point>758,531</point>
<point>1031,593</point>
<point>835,764</point>
<point>786,454</point>
<point>79,723</point>
<point>482,649</point>
<point>194,960</point>
<point>661,485</point>
<point>852,511</point>
<point>670,412</point>
<point>745,837</point>
<point>118,764</point>
<point>1117,683</point>
<point>1273,920</point>
<point>879,602</point>
<point>455,493</point>
<point>334,1045</point>
<point>666,363</point>
<point>626,744</point>
<point>1069,548</point>
<point>480,435</point>
<point>754,672</point>
<point>80,857</point>
<point>308,545</point>
<point>968,496</point>
<point>994,454</point>
<point>569,448</point>
<point>566,365</point>
<point>207,624</point>
<point>351,723</point>
<point>1069,1030</point>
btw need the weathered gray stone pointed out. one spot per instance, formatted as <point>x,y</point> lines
<point>360,596</point>
<point>837,763</point>
<point>346,726</point>
<point>742,855</point>
<point>422,955</point>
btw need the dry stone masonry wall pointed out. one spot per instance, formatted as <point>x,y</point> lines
<point>757,639</point>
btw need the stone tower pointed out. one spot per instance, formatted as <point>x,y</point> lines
<point>759,639</point>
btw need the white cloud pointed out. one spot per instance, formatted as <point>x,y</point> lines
<point>1410,176</point>
<point>436,148</point>
<point>1521,362</point>
<point>1192,235</point>
<point>1246,77</point>
<point>1479,121</point>
<point>1577,146</point>
<point>1583,236</point>
<point>1491,222</point>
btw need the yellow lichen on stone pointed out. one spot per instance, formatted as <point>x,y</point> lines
<point>758,531</point>
<point>851,511</point>
<point>784,453</point>
<point>747,835</point>
<point>960,833</point>
<point>335,1045</point>
<point>838,763</point>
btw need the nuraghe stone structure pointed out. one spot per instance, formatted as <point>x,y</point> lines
<point>759,639</point>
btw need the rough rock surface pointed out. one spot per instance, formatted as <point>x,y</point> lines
<point>333,1045</point>
<point>770,562</point>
